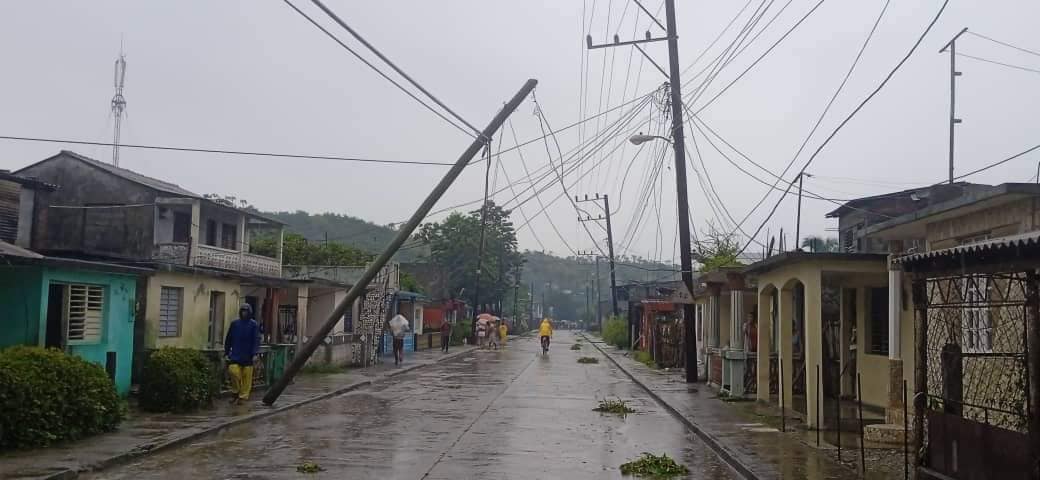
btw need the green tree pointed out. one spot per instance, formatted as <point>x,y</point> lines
<point>455,241</point>
<point>299,251</point>
<point>716,249</point>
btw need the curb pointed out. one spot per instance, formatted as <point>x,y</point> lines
<point>149,448</point>
<point>725,453</point>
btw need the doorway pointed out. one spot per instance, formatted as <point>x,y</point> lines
<point>56,324</point>
<point>216,319</point>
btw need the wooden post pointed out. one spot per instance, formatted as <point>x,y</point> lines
<point>920,295</point>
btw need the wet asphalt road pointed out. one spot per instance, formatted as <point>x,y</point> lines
<point>510,413</point>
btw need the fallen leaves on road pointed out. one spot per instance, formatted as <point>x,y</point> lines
<point>309,467</point>
<point>576,347</point>
<point>650,465</point>
<point>588,360</point>
<point>617,406</point>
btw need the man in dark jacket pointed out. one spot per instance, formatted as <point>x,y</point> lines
<point>240,349</point>
<point>445,335</point>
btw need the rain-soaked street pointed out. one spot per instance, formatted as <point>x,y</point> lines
<point>510,413</point>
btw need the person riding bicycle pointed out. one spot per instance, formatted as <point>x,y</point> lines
<point>545,331</point>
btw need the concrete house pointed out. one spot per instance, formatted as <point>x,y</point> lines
<point>199,249</point>
<point>84,308</point>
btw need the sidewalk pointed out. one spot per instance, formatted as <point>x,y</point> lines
<point>142,433</point>
<point>745,434</point>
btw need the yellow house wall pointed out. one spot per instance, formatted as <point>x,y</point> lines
<point>194,330</point>
<point>1007,219</point>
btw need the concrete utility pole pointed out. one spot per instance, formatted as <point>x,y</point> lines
<point>610,242</point>
<point>480,247</point>
<point>304,353</point>
<point>679,144</point>
<point>516,296</point>
<point>952,48</point>
<point>798,221</point>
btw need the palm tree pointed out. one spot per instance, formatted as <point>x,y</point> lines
<point>819,244</point>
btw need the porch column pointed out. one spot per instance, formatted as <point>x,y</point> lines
<point>765,326</point>
<point>301,313</point>
<point>895,344</point>
<point>736,322</point>
<point>813,345</point>
<point>785,322</point>
<point>242,246</point>
<point>196,221</point>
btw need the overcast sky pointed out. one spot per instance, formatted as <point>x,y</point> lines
<point>253,75</point>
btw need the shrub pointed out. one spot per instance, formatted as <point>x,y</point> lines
<point>461,330</point>
<point>615,332</point>
<point>177,380</point>
<point>645,358</point>
<point>48,396</point>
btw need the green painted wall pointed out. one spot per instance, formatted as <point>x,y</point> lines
<point>20,314</point>
<point>23,313</point>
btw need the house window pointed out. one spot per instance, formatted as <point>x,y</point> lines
<point>229,237</point>
<point>84,306</point>
<point>181,227</point>
<point>211,232</point>
<point>878,319</point>
<point>348,320</point>
<point>171,308</point>
<point>976,324</point>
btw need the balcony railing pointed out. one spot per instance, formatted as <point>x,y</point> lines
<point>224,259</point>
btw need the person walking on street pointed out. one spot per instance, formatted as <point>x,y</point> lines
<point>503,331</point>
<point>445,335</point>
<point>241,347</point>
<point>398,327</point>
<point>481,335</point>
<point>492,336</point>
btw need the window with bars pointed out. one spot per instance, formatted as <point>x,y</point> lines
<point>229,237</point>
<point>878,318</point>
<point>976,324</point>
<point>84,310</point>
<point>171,308</point>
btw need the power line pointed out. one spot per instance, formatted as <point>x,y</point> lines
<point>220,151</point>
<point>1025,50</point>
<point>994,62</point>
<point>823,114</point>
<point>759,59</point>
<point>853,114</point>
<point>400,72</point>
<point>380,72</point>
<point>998,163</point>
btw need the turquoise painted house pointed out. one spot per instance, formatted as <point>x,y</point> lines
<point>85,308</point>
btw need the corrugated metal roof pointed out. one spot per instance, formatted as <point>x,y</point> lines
<point>10,250</point>
<point>1011,241</point>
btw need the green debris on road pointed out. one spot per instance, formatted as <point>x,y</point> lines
<point>588,360</point>
<point>617,406</point>
<point>576,347</point>
<point>650,465</point>
<point>309,467</point>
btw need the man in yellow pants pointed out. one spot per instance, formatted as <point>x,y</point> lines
<point>241,346</point>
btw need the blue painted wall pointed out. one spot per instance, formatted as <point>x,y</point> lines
<point>23,313</point>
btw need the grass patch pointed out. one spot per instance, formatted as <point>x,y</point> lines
<point>645,358</point>
<point>588,360</point>
<point>650,465</point>
<point>322,369</point>
<point>618,406</point>
<point>309,467</point>
<point>576,347</point>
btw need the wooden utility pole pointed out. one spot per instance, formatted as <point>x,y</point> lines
<point>305,352</point>
<point>952,48</point>
<point>610,242</point>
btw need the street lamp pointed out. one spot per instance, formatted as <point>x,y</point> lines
<point>642,138</point>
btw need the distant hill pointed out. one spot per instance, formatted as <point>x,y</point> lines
<point>346,229</point>
<point>563,273</point>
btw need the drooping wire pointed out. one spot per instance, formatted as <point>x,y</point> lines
<point>852,115</point>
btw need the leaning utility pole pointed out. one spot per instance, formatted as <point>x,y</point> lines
<point>952,47</point>
<point>305,352</point>
<point>679,144</point>
<point>610,241</point>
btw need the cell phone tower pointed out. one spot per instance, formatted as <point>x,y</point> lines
<point>118,103</point>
